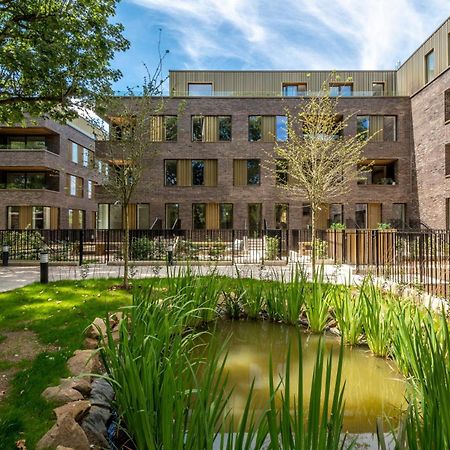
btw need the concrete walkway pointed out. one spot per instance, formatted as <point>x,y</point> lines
<point>14,277</point>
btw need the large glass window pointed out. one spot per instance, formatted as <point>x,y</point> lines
<point>90,189</point>
<point>16,180</point>
<point>254,216</point>
<point>197,128</point>
<point>143,216</point>
<point>294,89</point>
<point>399,213</point>
<point>281,172</point>
<point>361,215</point>
<point>198,216</point>
<point>35,180</point>
<point>73,185</point>
<point>380,172</point>
<point>253,172</point>
<point>38,217</point>
<point>362,126</point>
<point>199,89</point>
<point>254,128</point>
<point>226,216</point>
<point>198,172</point>
<point>103,216</point>
<point>171,128</point>
<point>172,215</point>
<point>430,66</point>
<point>115,216</point>
<point>28,180</point>
<point>336,213</point>
<point>378,88</point>
<point>26,142</point>
<point>281,215</point>
<point>281,129</point>
<point>341,89</point>
<point>171,172</point>
<point>224,128</point>
<point>13,217</point>
<point>74,155</point>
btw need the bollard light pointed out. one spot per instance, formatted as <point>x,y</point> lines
<point>5,255</point>
<point>44,267</point>
<point>170,254</point>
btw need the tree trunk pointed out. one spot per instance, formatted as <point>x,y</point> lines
<point>126,244</point>
<point>313,240</point>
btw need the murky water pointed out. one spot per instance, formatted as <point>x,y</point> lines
<point>374,388</point>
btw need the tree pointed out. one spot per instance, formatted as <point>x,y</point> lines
<point>131,138</point>
<point>321,162</point>
<point>55,56</point>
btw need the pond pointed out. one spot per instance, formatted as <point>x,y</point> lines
<point>374,388</point>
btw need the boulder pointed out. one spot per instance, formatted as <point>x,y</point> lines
<point>62,394</point>
<point>66,433</point>
<point>90,343</point>
<point>76,410</point>
<point>96,329</point>
<point>102,393</point>
<point>84,361</point>
<point>82,385</point>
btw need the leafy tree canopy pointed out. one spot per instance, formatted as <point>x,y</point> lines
<point>55,56</point>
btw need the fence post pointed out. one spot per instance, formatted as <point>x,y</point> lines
<point>81,247</point>
<point>232,247</point>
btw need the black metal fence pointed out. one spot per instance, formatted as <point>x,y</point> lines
<point>418,258</point>
<point>106,246</point>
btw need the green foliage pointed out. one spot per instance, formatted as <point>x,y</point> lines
<point>55,56</point>
<point>384,226</point>
<point>321,248</point>
<point>24,244</point>
<point>337,226</point>
<point>317,303</point>
<point>271,247</point>
<point>146,249</point>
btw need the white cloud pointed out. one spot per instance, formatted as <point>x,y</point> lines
<point>303,34</point>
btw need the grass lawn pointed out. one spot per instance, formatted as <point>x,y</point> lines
<point>57,313</point>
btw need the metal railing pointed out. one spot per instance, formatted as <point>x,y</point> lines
<point>419,258</point>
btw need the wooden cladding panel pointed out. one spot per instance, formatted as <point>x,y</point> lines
<point>411,75</point>
<point>266,83</point>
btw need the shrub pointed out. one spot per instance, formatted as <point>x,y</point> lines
<point>144,249</point>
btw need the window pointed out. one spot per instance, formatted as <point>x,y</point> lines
<point>254,128</point>
<point>171,172</point>
<point>26,142</point>
<point>85,157</point>
<point>336,213</point>
<point>447,159</point>
<point>142,216</point>
<point>246,172</point>
<point>254,216</point>
<point>281,172</point>
<point>378,88</point>
<point>379,128</point>
<point>103,216</point>
<point>306,210</point>
<point>13,217</point>
<point>198,172</point>
<point>122,128</point>
<point>199,216</point>
<point>115,216</point>
<point>429,66</point>
<point>76,219</point>
<point>199,89</point>
<point>100,166</point>
<point>281,216</point>
<point>447,105</point>
<point>341,89</point>
<point>74,148</point>
<point>187,172</point>
<point>399,215</point>
<point>294,89</point>
<point>89,189</point>
<point>226,216</point>
<point>361,215</point>
<point>380,172</point>
<point>40,217</point>
<point>163,128</point>
<point>74,186</point>
<point>224,128</point>
<point>172,215</point>
<point>281,129</point>
<point>211,128</point>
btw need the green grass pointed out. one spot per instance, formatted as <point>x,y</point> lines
<point>58,313</point>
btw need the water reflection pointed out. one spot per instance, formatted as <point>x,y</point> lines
<point>373,386</point>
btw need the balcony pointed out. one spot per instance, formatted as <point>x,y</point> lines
<point>29,158</point>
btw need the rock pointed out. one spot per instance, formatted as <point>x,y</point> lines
<point>62,394</point>
<point>82,385</point>
<point>115,319</point>
<point>84,362</point>
<point>95,427</point>
<point>90,343</point>
<point>96,329</point>
<point>66,433</point>
<point>76,410</point>
<point>102,393</point>
<point>61,447</point>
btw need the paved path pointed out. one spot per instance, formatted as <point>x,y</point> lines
<point>13,277</point>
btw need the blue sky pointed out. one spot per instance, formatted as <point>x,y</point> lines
<point>274,34</point>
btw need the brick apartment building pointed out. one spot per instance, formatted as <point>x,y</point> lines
<point>47,176</point>
<point>211,167</point>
